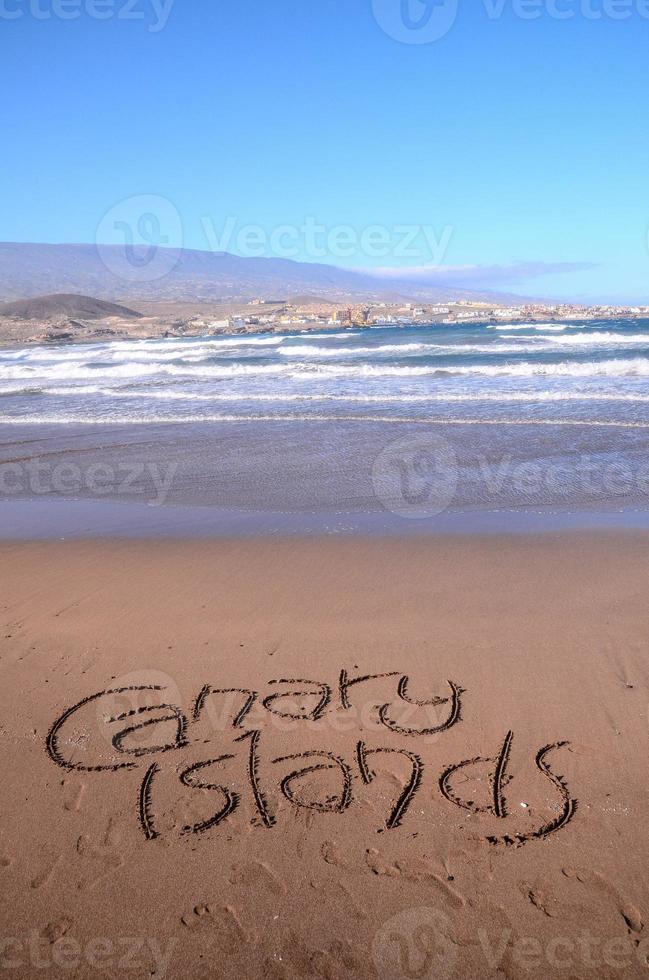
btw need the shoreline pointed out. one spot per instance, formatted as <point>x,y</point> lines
<point>32,519</point>
<point>96,334</point>
<point>248,477</point>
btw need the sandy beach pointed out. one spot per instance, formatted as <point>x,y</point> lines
<point>200,779</point>
<point>324,491</point>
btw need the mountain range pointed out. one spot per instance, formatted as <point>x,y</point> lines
<point>186,275</point>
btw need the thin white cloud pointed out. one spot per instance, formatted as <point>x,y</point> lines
<point>478,275</point>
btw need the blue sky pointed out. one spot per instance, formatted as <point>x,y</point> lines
<point>520,144</point>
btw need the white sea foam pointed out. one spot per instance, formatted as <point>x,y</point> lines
<point>603,337</point>
<point>636,367</point>
<point>324,336</point>
<point>162,394</point>
<point>68,419</point>
<point>66,372</point>
<point>20,390</point>
<point>240,340</point>
<point>558,327</point>
<point>632,367</point>
<point>459,349</point>
<point>307,350</point>
<point>77,390</point>
<point>413,398</point>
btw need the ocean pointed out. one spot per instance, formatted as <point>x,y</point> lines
<point>409,424</point>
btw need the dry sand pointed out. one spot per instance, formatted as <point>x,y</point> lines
<point>528,861</point>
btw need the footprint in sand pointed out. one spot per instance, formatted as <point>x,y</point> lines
<point>73,796</point>
<point>296,958</point>
<point>629,912</point>
<point>55,930</point>
<point>332,855</point>
<point>104,859</point>
<point>113,835</point>
<point>541,898</point>
<point>249,875</point>
<point>354,907</point>
<point>44,877</point>
<point>414,871</point>
<point>223,918</point>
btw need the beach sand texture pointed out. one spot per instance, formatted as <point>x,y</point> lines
<point>272,815</point>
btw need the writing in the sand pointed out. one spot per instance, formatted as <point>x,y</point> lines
<point>138,727</point>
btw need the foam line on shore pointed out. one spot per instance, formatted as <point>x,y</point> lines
<point>383,419</point>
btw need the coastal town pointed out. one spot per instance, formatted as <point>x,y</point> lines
<point>72,318</point>
<point>309,314</point>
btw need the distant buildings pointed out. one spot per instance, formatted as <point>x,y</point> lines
<point>279,315</point>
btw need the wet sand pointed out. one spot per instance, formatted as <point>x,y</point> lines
<point>239,804</point>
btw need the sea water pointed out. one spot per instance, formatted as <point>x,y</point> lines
<point>410,421</point>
